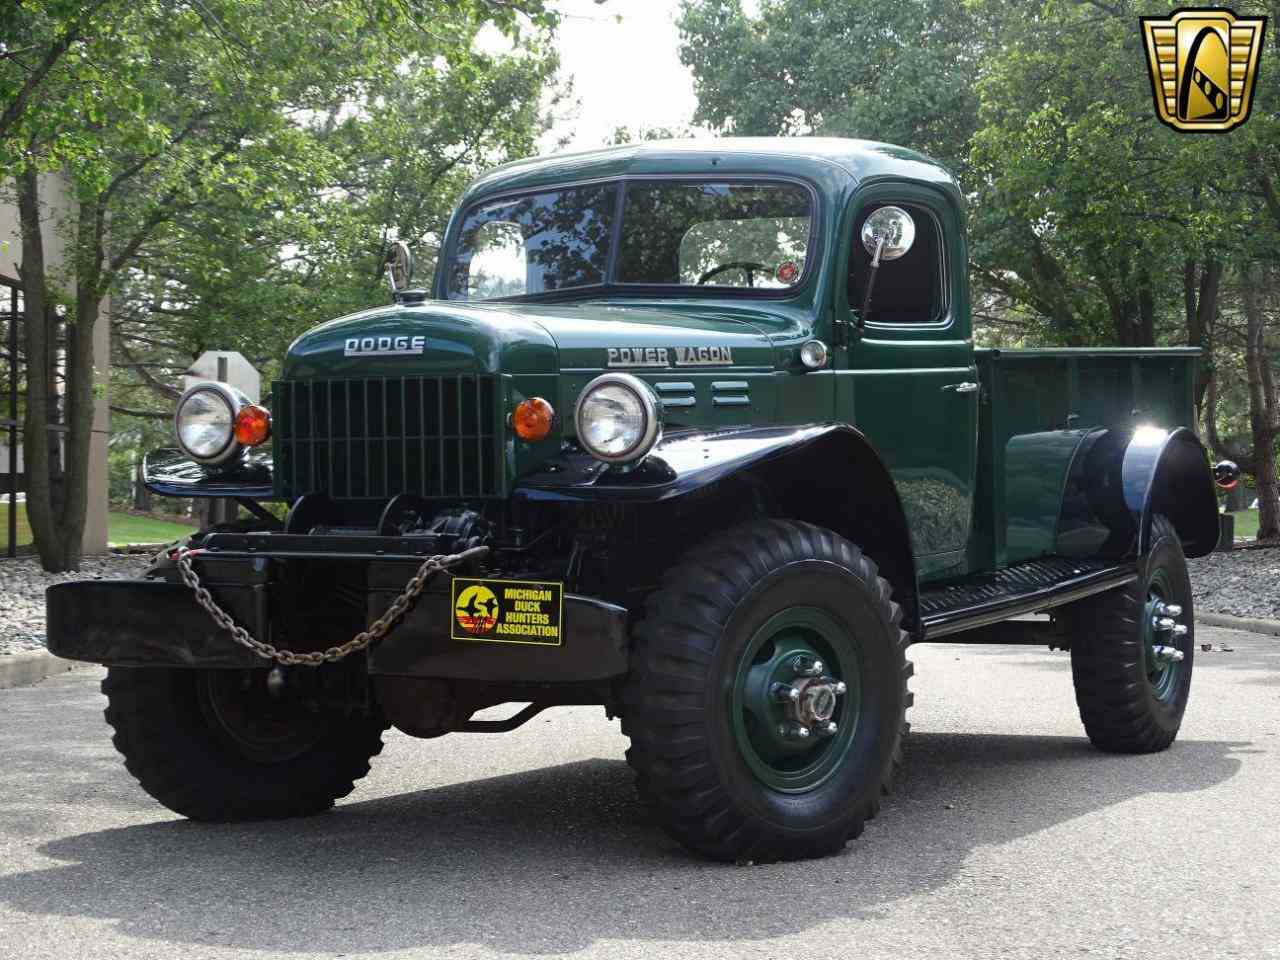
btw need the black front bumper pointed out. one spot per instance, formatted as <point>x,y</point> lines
<point>155,623</point>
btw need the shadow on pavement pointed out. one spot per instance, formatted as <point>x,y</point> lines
<point>555,859</point>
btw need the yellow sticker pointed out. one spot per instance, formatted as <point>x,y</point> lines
<point>508,611</point>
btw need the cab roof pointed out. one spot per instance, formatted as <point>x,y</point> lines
<point>823,160</point>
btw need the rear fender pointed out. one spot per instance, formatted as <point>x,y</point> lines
<point>1122,478</point>
<point>826,474</point>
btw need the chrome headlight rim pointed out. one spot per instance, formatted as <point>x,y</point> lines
<point>649,436</point>
<point>234,400</point>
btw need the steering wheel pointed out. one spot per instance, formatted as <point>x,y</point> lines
<point>750,266</point>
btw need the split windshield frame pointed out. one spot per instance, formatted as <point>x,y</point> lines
<point>814,249</point>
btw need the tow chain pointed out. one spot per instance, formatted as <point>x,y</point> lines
<point>376,631</point>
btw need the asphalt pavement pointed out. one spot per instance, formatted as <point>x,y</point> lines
<point>1008,836</point>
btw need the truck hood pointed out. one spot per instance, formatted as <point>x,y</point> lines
<point>448,337</point>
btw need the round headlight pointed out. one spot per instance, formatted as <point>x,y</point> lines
<point>617,418</point>
<point>205,422</point>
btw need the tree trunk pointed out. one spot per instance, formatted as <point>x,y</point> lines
<point>1145,327</point>
<point>1264,423</point>
<point>1201,301</point>
<point>78,391</point>
<point>35,426</point>
<point>57,522</point>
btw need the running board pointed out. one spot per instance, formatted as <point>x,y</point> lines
<point>1025,588</point>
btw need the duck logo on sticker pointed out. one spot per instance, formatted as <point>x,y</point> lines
<point>476,609</point>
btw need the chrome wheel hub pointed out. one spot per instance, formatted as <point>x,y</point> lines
<point>1166,630</point>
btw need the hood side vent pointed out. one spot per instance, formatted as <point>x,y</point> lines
<point>676,394</point>
<point>730,393</point>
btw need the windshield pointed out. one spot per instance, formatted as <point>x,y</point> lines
<point>747,236</point>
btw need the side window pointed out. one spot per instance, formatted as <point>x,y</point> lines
<point>908,290</point>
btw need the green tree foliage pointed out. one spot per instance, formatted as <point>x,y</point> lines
<point>899,72</point>
<point>160,112</point>
<point>242,274</point>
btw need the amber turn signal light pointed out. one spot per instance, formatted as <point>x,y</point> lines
<point>533,419</point>
<point>253,425</point>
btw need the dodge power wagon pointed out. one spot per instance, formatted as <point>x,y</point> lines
<point>693,431</point>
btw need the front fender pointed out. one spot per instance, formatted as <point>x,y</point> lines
<point>171,473</point>
<point>826,474</point>
<point>678,464</point>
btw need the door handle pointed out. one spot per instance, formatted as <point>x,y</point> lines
<point>966,387</point>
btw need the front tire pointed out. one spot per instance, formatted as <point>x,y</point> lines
<point>1131,691</point>
<point>714,728</point>
<point>214,745</point>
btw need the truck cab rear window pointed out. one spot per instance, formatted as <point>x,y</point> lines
<point>749,236</point>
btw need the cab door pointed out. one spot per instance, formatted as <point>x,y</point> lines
<point>908,377</point>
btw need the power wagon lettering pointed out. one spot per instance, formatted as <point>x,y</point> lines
<point>677,356</point>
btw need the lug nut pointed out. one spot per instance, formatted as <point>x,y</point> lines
<point>1164,623</point>
<point>784,693</point>
<point>794,731</point>
<point>841,688</point>
<point>828,729</point>
<point>808,667</point>
<point>1179,629</point>
<point>1168,654</point>
<point>1172,609</point>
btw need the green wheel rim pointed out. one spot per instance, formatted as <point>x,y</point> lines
<point>764,726</point>
<point>1164,676</point>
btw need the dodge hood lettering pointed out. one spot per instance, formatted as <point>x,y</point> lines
<point>384,346</point>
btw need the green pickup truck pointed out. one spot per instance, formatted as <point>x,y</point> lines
<point>693,431</point>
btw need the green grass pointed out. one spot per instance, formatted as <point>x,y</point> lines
<point>24,529</point>
<point>124,528</point>
<point>1246,525</point>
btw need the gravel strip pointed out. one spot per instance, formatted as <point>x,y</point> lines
<point>1243,583</point>
<point>22,584</point>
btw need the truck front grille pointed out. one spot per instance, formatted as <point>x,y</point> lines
<point>374,438</point>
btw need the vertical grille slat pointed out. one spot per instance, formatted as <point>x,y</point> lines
<point>348,446</point>
<point>370,439</point>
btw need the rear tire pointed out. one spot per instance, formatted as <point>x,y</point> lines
<point>212,745</point>
<point>716,751</point>
<point>1130,700</point>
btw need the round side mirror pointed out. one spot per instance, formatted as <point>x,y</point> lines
<point>894,227</point>
<point>1226,474</point>
<point>399,266</point>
